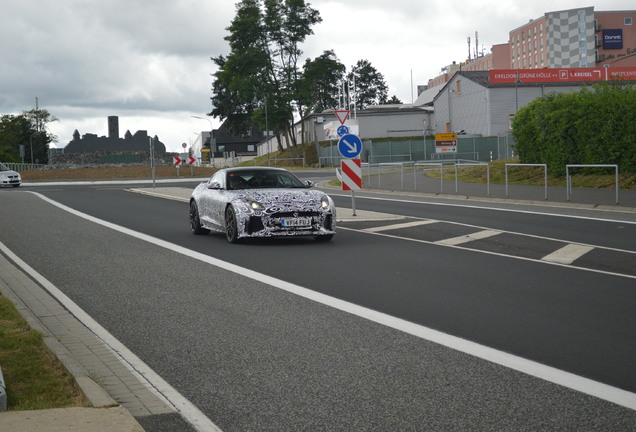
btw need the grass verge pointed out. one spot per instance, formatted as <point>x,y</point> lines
<point>34,376</point>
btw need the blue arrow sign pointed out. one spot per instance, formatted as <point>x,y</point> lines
<point>349,146</point>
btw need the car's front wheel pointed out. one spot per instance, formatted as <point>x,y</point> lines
<point>231,225</point>
<point>195,222</point>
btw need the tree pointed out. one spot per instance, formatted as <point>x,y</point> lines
<point>394,100</point>
<point>370,87</point>
<point>592,126</point>
<point>261,71</point>
<point>321,82</point>
<point>27,129</point>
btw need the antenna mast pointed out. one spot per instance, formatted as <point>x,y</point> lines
<point>476,45</point>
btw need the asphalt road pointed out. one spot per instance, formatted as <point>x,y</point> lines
<point>254,357</point>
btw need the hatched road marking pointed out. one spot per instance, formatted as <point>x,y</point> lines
<point>399,226</point>
<point>470,237</point>
<point>568,254</point>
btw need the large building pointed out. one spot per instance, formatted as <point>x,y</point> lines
<point>90,143</point>
<point>573,38</point>
<point>483,103</point>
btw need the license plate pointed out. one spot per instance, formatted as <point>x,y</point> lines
<point>296,222</point>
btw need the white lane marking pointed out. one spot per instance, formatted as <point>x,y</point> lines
<point>159,195</point>
<point>506,209</point>
<point>154,381</point>
<point>529,367</point>
<point>138,367</point>
<point>400,225</point>
<point>568,253</point>
<point>467,238</point>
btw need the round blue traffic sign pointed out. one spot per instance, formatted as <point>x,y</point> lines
<point>350,146</point>
<point>343,130</point>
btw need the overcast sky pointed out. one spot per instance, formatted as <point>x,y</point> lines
<point>148,61</point>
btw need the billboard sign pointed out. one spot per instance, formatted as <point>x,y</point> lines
<point>511,76</point>
<point>613,39</point>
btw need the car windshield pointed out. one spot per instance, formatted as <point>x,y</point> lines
<point>4,167</point>
<point>259,179</point>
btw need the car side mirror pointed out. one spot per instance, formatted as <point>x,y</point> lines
<point>309,183</point>
<point>214,185</point>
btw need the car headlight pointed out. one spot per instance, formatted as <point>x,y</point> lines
<point>324,202</point>
<point>253,205</point>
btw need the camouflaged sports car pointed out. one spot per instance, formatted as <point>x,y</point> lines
<point>261,202</point>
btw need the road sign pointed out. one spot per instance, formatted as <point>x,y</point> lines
<point>343,130</point>
<point>176,161</point>
<point>446,143</point>
<point>446,136</point>
<point>350,146</point>
<point>191,160</point>
<point>351,174</point>
<point>342,116</point>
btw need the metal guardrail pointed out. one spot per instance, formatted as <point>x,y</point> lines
<point>545,175</point>
<point>457,163</point>
<point>568,178</point>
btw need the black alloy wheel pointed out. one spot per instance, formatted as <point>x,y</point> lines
<point>195,222</point>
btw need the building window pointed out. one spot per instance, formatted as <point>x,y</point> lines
<point>458,87</point>
<point>628,21</point>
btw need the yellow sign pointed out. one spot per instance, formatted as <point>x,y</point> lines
<point>445,136</point>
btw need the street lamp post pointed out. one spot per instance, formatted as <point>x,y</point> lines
<point>211,130</point>
<point>31,141</point>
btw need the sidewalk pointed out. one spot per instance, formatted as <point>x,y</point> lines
<point>119,397</point>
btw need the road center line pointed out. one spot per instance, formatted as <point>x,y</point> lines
<point>584,385</point>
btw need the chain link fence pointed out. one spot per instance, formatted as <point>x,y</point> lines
<point>483,149</point>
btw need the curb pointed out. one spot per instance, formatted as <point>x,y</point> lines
<point>96,395</point>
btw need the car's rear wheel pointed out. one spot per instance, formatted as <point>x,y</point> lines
<point>231,225</point>
<point>195,222</point>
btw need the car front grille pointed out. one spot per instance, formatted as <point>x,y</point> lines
<point>295,214</point>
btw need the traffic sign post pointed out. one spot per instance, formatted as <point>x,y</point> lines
<point>351,172</point>
<point>350,146</point>
<point>446,143</point>
<point>177,161</point>
<point>342,116</point>
<point>350,175</point>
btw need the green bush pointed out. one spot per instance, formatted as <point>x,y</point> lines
<point>592,126</point>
